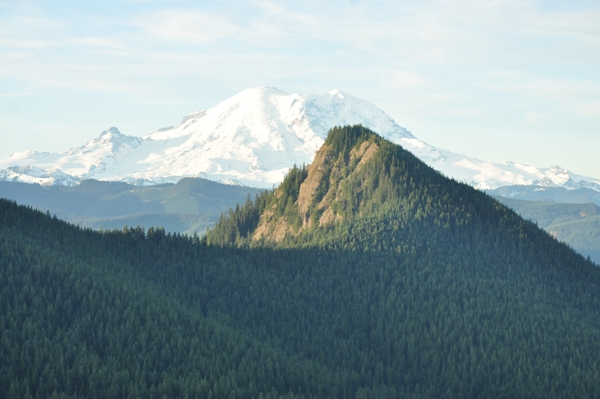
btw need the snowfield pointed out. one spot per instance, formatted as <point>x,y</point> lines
<point>253,138</point>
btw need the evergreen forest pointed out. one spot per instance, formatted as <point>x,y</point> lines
<point>576,224</point>
<point>366,274</point>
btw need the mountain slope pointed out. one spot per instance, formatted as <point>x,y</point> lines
<point>126,315</point>
<point>414,286</point>
<point>575,224</point>
<point>254,138</point>
<point>485,175</point>
<point>430,249</point>
<point>357,172</point>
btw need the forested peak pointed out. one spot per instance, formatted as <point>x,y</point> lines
<point>343,138</point>
<point>354,173</point>
<point>364,193</point>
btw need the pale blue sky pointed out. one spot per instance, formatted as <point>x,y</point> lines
<point>498,80</point>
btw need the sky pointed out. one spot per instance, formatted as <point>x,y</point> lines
<point>498,80</point>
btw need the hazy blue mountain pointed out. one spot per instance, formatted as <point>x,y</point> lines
<point>189,206</point>
<point>548,194</point>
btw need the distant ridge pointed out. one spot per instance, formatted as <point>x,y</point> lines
<point>188,206</point>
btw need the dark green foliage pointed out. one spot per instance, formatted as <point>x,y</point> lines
<point>343,139</point>
<point>288,191</point>
<point>575,224</point>
<point>290,188</point>
<point>127,314</point>
<point>235,225</point>
<point>428,288</point>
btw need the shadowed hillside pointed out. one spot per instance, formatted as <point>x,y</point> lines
<point>575,224</point>
<point>364,275</point>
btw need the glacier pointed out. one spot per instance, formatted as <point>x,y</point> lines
<point>252,139</point>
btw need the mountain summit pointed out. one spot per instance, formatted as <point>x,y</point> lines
<point>254,138</point>
<point>357,175</point>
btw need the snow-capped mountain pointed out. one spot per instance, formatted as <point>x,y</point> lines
<point>485,175</point>
<point>253,138</point>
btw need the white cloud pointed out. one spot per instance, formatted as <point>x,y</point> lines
<point>532,117</point>
<point>191,26</point>
<point>21,44</point>
<point>467,112</point>
<point>589,109</point>
<point>14,94</point>
<point>97,42</point>
<point>406,78</point>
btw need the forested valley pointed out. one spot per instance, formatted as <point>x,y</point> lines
<point>364,275</point>
<point>189,206</point>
